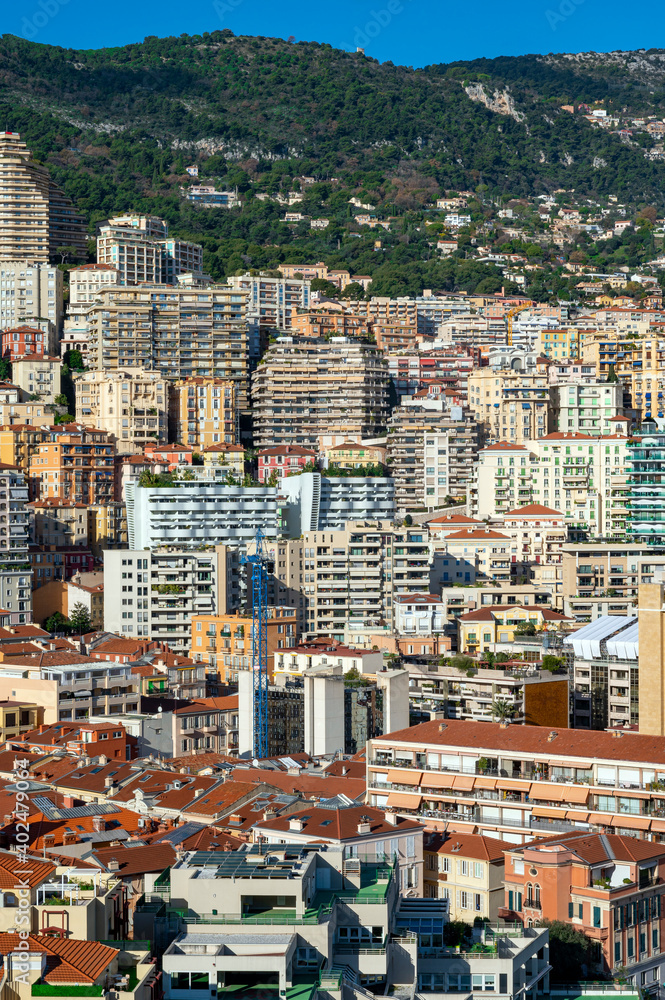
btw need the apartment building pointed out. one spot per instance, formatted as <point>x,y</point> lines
<point>207,196</point>
<point>57,521</point>
<point>603,663</point>
<point>535,697</point>
<point>272,302</point>
<point>606,887</point>
<point>25,341</point>
<point>14,414</point>
<point>593,408</point>
<point>595,573</point>
<point>510,406</point>
<point>521,781</point>
<point>141,251</point>
<point>586,478</point>
<point>225,641</point>
<point>230,458</point>
<point>394,322</point>
<point>352,455</point>
<point>107,527</point>
<point>431,453</point>
<point>69,685</point>
<point>19,442</point>
<point>74,463</point>
<point>296,397</point>
<point>419,614</point>
<point>207,725</point>
<point>38,217</point>
<point>329,321</point>
<point>283,461</point>
<point>411,371</point>
<point>18,718</point>
<point>645,520</point>
<point>31,295</point>
<point>349,576</point>
<point>156,593</point>
<point>84,285</point>
<point>177,331</point>
<point>130,405</point>
<point>194,512</point>
<point>496,628</point>
<point>467,870</point>
<point>15,571</point>
<point>557,343</point>
<point>204,412</point>
<point>318,502</point>
<point>37,375</point>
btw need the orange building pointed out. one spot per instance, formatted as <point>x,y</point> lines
<point>76,463</point>
<point>607,886</point>
<point>18,444</point>
<point>224,642</point>
<point>330,323</point>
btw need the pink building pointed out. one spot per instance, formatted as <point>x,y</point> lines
<point>282,460</point>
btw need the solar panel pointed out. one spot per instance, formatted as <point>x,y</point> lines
<point>52,811</point>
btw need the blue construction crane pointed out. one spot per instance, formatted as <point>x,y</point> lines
<point>259,564</point>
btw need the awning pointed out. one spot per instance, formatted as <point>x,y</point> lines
<point>546,793</point>
<point>399,777</point>
<point>513,784</point>
<point>549,813</point>
<point>434,779</point>
<point>403,800</point>
<point>602,819</point>
<point>486,782</point>
<point>658,825</point>
<point>631,822</point>
<point>464,782</point>
<point>458,826</point>
<point>575,793</point>
<point>577,817</point>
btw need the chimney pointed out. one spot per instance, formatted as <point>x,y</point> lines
<point>552,736</point>
<point>364,826</point>
<point>113,865</point>
<point>98,824</point>
<point>296,824</point>
<point>391,817</point>
<point>442,727</point>
<point>67,801</point>
<point>345,770</point>
<point>102,759</point>
<point>269,813</point>
<point>109,783</point>
<point>504,723</point>
<point>70,837</point>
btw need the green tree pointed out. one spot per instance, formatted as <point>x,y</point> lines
<point>74,360</point>
<point>57,622</point>
<point>80,620</point>
<point>612,375</point>
<point>525,628</point>
<point>65,418</point>
<point>5,370</point>
<point>570,952</point>
<point>502,710</point>
<point>61,399</point>
<point>68,253</point>
<point>327,288</point>
<point>552,663</point>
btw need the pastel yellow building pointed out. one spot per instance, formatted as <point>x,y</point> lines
<point>204,412</point>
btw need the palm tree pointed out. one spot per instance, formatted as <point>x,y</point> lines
<point>502,709</point>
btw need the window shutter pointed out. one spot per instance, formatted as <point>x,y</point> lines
<point>570,911</point>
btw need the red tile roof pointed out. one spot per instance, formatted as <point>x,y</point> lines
<point>487,614</point>
<point>136,860</point>
<point>504,446</point>
<point>467,845</point>
<point>227,704</point>
<point>13,869</point>
<point>308,785</point>
<point>476,534</point>
<point>338,825</point>
<point>69,961</point>
<point>596,847</point>
<point>575,743</point>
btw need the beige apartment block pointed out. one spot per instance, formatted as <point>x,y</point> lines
<point>272,302</point>
<point>107,527</point>
<point>468,870</point>
<point>177,331</point>
<point>35,215</point>
<point>31,292</point>
<point>130,244</point>
<point>38,375</point>
<point>651,622</point>
<point>203,412</point>
<point>335,578</point>
<point>296,392</point>
<point>510,406</point>
<point>129,404</point>
<point>57,521</point>
<point>84,285</point>
<point>393,321</point>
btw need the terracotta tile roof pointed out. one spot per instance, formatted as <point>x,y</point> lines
<point>417,599</point>
<point>135,860</point>
<point>454,519</point>
<point>504,446</point>
<point>533,510</point>
<point>338,825</point>
<point>476,534</point>
<point>347,769</point>
<point>223,448</point>
<point>575,743</point>
<point>487,614</point>
<point>48,658</point>
<point>69,961</point>
<point>468,845</point>
<point>195,763</point>
<point>23,632</point>
<point>227,704</point>
<point>12,870</point>
<point>308,785</point>
<point>219,800</point>
<point>595,847</point>
<point>285,449</point>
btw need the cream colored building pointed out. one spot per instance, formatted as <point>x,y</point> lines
<point>107,527</point>
<point>583,477</point>
<point>203,412</point>
<point>178,331</point>
<point>130,404</point>
<point>36,216</point>
<point>34,413</point>
<point>226,456</point>
<point>509,405</point>
<point>84,285</point>
<point>38,375</point>
<point>467,869</point>
<point>56,521</point>
<point>31,292</point>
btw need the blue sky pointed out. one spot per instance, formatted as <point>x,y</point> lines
<point>411,32</point>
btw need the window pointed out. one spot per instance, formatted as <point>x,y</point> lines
<point>478,869</point>
<point>596,916</point>
<point>463,867</point>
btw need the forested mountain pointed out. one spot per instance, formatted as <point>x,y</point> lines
<point>118,126</point>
